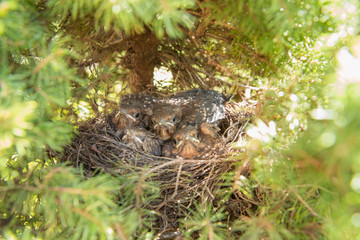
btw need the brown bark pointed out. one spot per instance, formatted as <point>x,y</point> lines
<point>140,59</point>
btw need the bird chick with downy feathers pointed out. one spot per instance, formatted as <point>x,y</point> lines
<point>199,105</point>
<point>134,110</point>
<point>192,107</point>
<point>164,120</point>
<point>141,139</point>
<point>193,142</point>
<point>185,143</point>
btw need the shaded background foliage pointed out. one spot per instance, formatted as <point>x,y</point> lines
<point>65,61</point>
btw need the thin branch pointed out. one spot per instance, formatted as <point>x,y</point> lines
<point>312,211</point>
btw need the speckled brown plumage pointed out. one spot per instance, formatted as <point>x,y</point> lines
<point>185,143</point>
<point>186,121</point>
<point>141,139</point>
<point>134,110</point>
<point>164,120</point>
<point>193,142</point>
<point>199,105</point>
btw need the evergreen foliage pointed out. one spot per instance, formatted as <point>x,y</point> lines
<point>65,61</point>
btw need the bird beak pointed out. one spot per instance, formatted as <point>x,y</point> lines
<point>181,142</point>
<point>191,139</point>
<point>132,135</point>
<point>123,112</point>
<point>136,139</point>
<point>162,122</point>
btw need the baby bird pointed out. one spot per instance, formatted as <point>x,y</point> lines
<point>164,120</point>
<point>199,105</point>
<point>141,139</point>
<point>209,133</point>
<point>193,142</point>
<point>128,116</point>
<point>209,137</point>
<point>134,111</point>
<point>185,143</point>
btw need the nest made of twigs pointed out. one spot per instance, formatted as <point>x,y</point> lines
<point>97,146</point>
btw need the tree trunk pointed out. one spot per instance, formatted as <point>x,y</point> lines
<point>140,57</point>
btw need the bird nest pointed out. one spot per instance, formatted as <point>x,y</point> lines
<point>182,182</point>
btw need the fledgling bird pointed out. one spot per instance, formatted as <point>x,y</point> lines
<point>193,142</point>
<point>128,116</point>
<point>134,110</point>
<point>199,105</point>
<point>209,136</point>
<point>185,143</point>
<point>141,139</point>
<point>165,119</point>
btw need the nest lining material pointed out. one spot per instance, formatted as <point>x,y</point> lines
<point>182,182</point>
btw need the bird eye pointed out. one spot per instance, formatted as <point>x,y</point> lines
<point>174,119</point>
<point>137,115</point>
<point>174,141</point>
